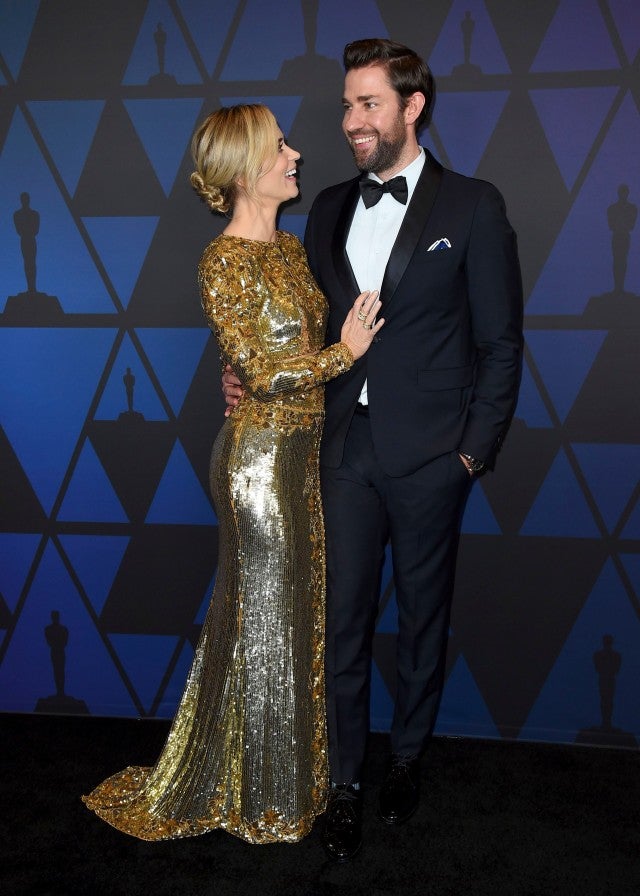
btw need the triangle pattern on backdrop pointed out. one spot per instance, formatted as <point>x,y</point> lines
<point>58,404</point>
<point>631,563</point>
<point>22,549</point>
<point>86,89</point>
<point>530,407</point>
<point>208,24</point>
<point>95,559</point>
<point>160,42</point>
<point>114,401</point>
<point>564,359</point>
<point>486,53</point>
<point>632,528</point>
<point>560,509</point>
<point>122,243</point>
<point>169,699</point>
<point>466,122</point>
<point>565,704</point>
<point>612,474</point>
<point>68,128</point>
<point>461,691</point>
<point>576,42</point>
<point>91,681</point>
<point>580,263</point>
<point>60,247</point>
<point>586,108</point>
<point>280,30</point>
<point>90,495</point>
<point>145,658</point>
<point>20,509</point>
<point>16,24</point>
<point>478,516</point>
<point>175,355</point>
<point>165,128</point>
<point>134,188</point>
<point>384,700</point>
<point>179,497</point>
<point>206,600</point>
<point>626,15</point>
<point>331,40</point>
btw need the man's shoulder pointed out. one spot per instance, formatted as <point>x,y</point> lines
<point>335,192</point>
<point>471,186</point>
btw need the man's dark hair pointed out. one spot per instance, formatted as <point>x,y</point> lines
<point>406,71</point>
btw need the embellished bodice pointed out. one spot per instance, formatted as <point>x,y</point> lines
<point>269,318</point>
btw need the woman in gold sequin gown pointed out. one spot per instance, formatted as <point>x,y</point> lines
<point>247,748</point>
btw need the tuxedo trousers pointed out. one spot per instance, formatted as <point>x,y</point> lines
<point>420,515</point>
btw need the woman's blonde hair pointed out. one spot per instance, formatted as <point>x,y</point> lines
<point>230,150</point>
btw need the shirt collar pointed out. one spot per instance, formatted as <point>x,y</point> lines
<point>412,172</point>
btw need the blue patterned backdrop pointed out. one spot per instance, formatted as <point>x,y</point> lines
<point>109,395</point>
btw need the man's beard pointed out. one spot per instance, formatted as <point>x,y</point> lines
<point>386,154</point>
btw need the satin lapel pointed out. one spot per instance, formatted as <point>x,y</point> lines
<point>339,242</point>
<point>414,222</point>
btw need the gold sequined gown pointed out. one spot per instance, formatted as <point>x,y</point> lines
<point>247,749</point>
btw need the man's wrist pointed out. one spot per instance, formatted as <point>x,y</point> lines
<point>473,465</point>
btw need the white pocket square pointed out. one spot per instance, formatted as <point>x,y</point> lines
<point>442,243</point>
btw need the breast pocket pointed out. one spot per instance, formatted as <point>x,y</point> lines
<point>441,272</point>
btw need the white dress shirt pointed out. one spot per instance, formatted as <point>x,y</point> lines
<point>373,233</point>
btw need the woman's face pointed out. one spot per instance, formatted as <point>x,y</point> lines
<point>278,182</point>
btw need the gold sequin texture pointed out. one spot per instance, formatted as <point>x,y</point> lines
<point>247,748</point>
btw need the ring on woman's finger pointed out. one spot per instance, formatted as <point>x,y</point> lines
<point>367,326</point>
<point>362,315</point>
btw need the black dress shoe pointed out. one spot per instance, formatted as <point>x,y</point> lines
<point>400,793</point>
<point>342,833</point>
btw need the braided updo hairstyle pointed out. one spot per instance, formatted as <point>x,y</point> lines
<point>230,150</point>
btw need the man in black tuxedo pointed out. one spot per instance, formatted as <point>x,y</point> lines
<point>411,423</point>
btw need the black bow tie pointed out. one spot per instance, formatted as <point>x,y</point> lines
<point>371,191</point>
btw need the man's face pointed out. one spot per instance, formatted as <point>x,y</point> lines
<point>374,122</point>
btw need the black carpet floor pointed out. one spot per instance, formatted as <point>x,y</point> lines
<point>496,818</point>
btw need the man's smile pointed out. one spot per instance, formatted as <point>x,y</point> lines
<point>361,140</point>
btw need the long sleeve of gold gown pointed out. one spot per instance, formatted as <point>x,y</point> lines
<point>247,748</point>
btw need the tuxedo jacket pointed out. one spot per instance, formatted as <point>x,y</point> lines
<point>444,370</point>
